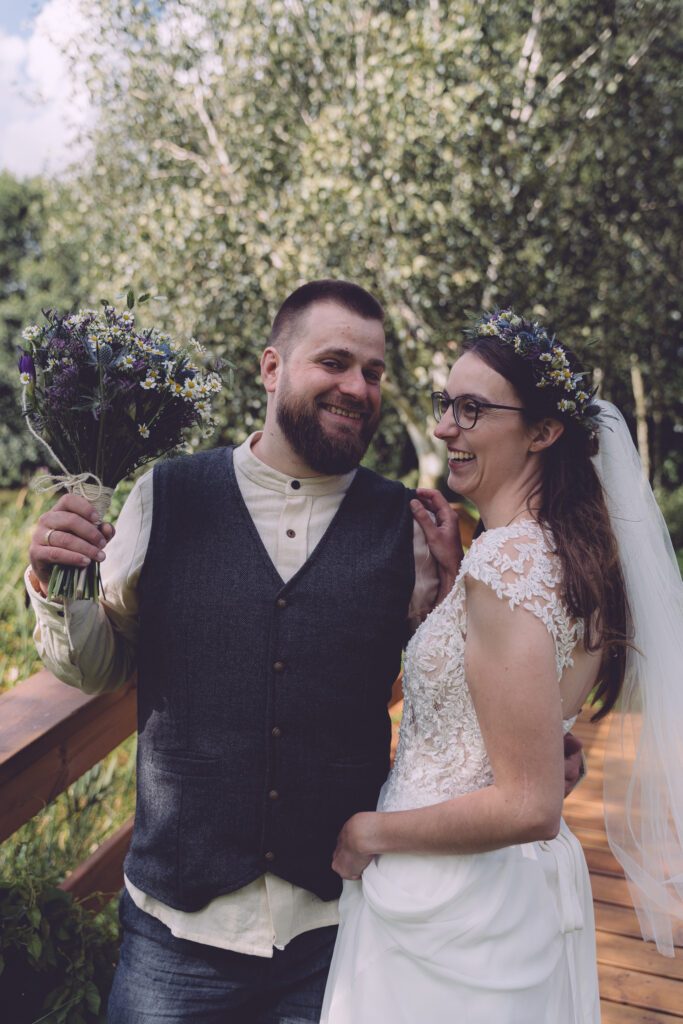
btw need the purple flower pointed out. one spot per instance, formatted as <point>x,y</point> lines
<point>26,365</point>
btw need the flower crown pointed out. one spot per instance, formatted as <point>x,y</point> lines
<point>551,364</point>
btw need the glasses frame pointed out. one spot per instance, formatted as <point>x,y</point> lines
<point>437,396</point>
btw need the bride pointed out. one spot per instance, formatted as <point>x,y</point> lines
<point>467,899</point>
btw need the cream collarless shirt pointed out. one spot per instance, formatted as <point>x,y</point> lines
<point>92,646</point>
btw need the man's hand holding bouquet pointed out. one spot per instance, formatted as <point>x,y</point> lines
<point>104,397</point>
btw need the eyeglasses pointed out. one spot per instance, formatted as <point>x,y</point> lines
<point>465,409</point>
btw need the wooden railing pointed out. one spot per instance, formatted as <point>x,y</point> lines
<point>50,734</point>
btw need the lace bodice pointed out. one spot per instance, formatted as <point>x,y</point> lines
<point>441,751</point>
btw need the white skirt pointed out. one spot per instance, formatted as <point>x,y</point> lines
<point>506,937</point>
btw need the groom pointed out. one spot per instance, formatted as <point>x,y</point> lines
<point>263,594</point>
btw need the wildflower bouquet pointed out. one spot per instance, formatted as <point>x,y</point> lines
<point>105,397</point>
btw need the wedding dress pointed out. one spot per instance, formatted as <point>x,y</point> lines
<point>504,937</point>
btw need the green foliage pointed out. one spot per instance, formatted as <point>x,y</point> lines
<point>56,958</point>
<point>449,156</point>
<point>71,827</point>
<point>19,511</point>
<point>671,504</point>
<point>40,258</point>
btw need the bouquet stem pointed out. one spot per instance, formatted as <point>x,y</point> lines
<point>74,584</point>
<point>68,581</point>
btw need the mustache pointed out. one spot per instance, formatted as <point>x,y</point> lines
<point>347,404</point>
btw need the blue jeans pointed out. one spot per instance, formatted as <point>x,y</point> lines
<point>161,979</point>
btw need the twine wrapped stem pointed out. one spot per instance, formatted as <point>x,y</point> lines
<point>67,580</point>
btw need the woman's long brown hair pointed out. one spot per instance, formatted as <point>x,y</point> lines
<point>572,506</point>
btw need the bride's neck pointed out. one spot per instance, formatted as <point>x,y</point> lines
<point>504,511</point>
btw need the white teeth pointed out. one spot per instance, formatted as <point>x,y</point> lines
<point>343,412</point>
<point>460,457</point>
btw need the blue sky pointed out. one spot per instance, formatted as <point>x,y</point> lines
<point>16,15</point>
<point>41,103</point>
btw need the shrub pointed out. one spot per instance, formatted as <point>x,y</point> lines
<point>56,957</point>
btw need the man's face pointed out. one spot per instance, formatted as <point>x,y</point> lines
<point>328,392</point>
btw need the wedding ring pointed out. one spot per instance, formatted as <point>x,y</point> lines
<point>47,537</point>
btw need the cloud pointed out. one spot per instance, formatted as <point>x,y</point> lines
<point>43,103</point>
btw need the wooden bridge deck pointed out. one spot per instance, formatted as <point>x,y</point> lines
<point>637,985</point>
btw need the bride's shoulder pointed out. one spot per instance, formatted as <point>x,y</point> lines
<point>506,551</point>
<point>526,534</point>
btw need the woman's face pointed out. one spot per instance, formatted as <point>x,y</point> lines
<point>494,453</point>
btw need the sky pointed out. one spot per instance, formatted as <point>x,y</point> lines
<point>41,106</point>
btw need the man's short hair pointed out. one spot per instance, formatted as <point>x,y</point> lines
<point>343,293</point>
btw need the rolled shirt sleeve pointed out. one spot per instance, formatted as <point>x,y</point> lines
<point>92,645</point>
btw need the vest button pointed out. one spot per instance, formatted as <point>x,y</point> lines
<point>291,533</point>
<point>281,602</point>
<point>273,795</point>
<point>278,666</point>
<point>270,856</point>
<point>276,731</point>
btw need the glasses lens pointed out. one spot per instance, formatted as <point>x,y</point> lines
<point>466,411</point>
<point>439,405</point>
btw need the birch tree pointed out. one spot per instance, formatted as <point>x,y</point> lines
<point>449,156</point>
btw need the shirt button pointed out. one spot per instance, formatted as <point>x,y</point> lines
<point>278,666</point>
<point>291,533</point>
<point>276,731</point>
<point>296,484</point>
<point>270,856</point>
<point>273,795</point>
<point>281,602</point>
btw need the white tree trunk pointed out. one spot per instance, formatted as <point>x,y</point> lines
<point>641,414</point>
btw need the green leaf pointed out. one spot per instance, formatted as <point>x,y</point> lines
<point>93,998</point>
<point>35,947</point>
<point>55,896</point>
<point>144,298</point>
<point>130,298</point>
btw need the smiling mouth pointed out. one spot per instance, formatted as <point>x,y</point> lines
<point>339,411</point>
<point>461,457</point>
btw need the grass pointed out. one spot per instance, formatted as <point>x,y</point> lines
<point>19,511</point>
<point>70,828</point>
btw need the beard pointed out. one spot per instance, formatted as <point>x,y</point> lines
<point>326,453</point>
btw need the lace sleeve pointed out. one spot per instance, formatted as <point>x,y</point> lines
<point>518,563</point>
